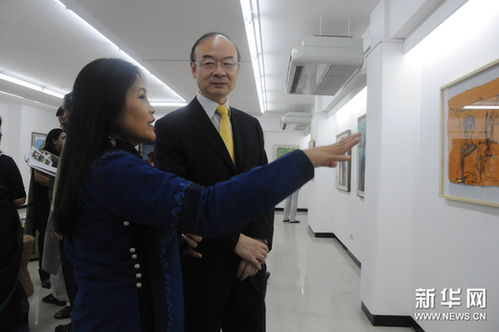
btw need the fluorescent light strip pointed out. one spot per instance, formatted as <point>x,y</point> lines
<point>20,97</point>
<point>29,84</point>
<point>129,58</point>
<point>253,34</point>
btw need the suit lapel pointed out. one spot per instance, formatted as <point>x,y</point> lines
<point>203,125</point>
<point>238,134</point>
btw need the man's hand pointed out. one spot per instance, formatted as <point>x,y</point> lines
<point>246,269</point>
<point>251,250</point>
<point>191,241</point>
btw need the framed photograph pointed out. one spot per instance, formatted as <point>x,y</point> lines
<point>469,140</point>
<point>361,156</point>
<point>38,140</point>
<point>281,150</point>
<point>343,168</point>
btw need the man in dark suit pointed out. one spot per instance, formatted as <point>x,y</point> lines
<point>225,289</point>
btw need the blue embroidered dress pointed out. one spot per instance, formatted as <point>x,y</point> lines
<point>125,248</point>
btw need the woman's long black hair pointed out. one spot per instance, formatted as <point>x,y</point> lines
<point>49,141</point>
<point>0,129</point>
<point>98,99</point>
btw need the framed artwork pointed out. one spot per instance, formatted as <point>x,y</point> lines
<point>469,140</point>
<point>38,140</point>
<point>343,168</point>
<point>361,156</point>
<point>281,150</point>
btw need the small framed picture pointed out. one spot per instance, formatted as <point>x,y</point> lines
<point>343,168</point>
<point>281,150</point>
<point>361,156</point>
<point>38,140</point>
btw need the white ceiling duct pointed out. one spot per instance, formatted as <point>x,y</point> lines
<point>297,121</point>
<point>323,64</point>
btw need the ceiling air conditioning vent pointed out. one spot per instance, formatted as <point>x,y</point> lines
<point>297,121</point>
<point>296,79</point>
<point>323,64</point>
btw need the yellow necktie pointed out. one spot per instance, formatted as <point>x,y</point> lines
<point>225,131</point>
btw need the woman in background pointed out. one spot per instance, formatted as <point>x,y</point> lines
<point>13,301</point>
<point>120,216</point>
<point>39,198</point>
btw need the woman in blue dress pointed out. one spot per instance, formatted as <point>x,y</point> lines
<point>121,217</point>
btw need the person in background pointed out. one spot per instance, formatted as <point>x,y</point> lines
<point>14,306</point>
<point>120,217</point>
<point>224,290</point>
<point>66,266</point>
<point>52,252</point>
<point>40,190</point>
<point>290,207</point>
<point>60,116</point>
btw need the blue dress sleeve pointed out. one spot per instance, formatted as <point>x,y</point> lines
<point>137,192</point>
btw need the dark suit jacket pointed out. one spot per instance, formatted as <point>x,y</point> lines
<point>188,145</point>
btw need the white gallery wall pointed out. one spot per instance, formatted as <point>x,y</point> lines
<point>350,233</point>
<point>321,203</point>
<point>403,233</point>
<point>334,210</point>
<point>455,244</point>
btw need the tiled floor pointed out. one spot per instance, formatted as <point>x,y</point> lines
<point>314,284</point>
<point>314,287</point>
<point>41,314</point>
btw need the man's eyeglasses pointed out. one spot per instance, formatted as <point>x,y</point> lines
<point>212,65</point>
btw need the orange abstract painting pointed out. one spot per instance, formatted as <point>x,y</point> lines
<point>473,133</point>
